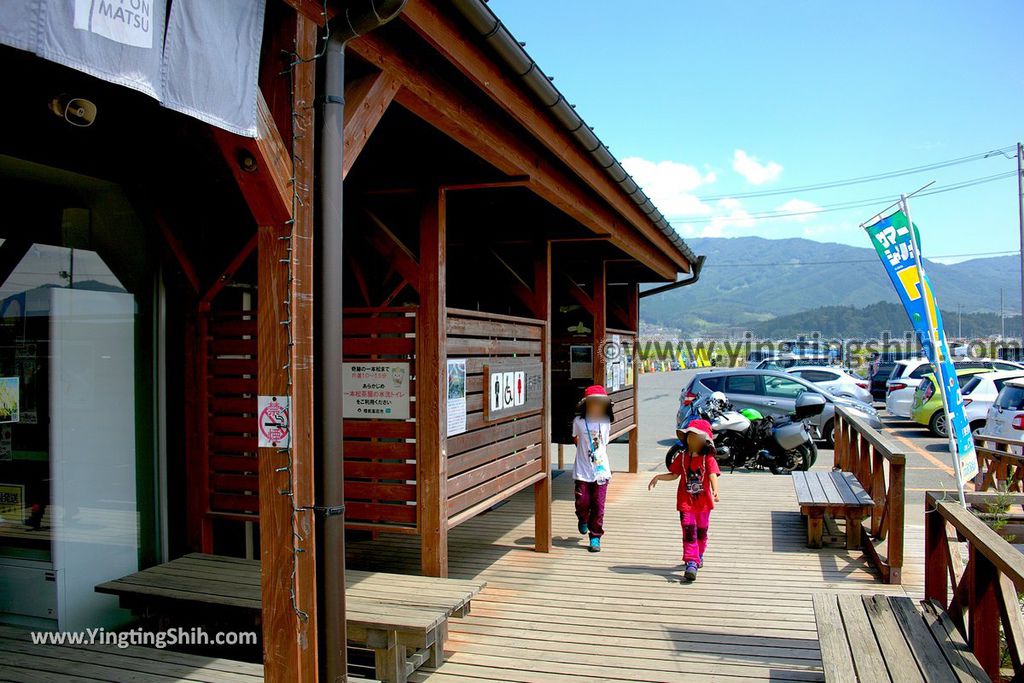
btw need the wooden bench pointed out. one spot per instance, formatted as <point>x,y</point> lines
<point>403,619</point>
<point>837,494</point>
<point>878,639</point>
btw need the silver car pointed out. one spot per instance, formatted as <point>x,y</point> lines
<point>835,381</point>
<point>774,393</point>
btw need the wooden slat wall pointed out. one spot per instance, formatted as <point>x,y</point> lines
<point>491,460</point>
<point>230,391</point>
<point>380,455</point>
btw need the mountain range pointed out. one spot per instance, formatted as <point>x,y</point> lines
<point>751,280</point>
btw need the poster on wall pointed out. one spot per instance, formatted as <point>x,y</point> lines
<point>456,396</point>
<point>9,399</point>
<point>375,390</point>
<point>12,503</point>
<point>581,362</point>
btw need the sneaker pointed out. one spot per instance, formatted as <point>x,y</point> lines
<point>584,529</point>
<point>691,572</point>
<point>595,545</point>
<point>700,563</point>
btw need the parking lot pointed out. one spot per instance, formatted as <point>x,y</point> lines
<point>928,462</point>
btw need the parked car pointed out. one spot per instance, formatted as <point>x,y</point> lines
<point>755,357</point>
<point>836,381</point>
<point>1006,416</point>
<point>774,393</point>
<point>907,374</point>
<point>980,393</point>
<point>786,361</point>
<point>927,409</point>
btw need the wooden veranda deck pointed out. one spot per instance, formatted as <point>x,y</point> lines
<point>623,615</point>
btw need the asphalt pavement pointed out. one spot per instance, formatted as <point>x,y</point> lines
<point>928,462</point>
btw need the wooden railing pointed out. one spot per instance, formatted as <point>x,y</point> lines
<point>981,594</point>
<point>999,462</point>
<point>879,465</point>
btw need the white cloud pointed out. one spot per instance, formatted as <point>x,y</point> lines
<point>803,209</point>
<point>670,185</point>
<point>753,170</point>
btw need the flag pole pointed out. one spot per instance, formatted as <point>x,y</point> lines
<point>933,335</point>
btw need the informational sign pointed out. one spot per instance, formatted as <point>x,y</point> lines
<point>581,362</point>
<point>10,403</point>
<point>513,387</point>
<point>12,503</point>
<point>375,390</point>
<point>6,442</point>
<point>456,396</point>
<point>898,245</point>
<point>275,427</point>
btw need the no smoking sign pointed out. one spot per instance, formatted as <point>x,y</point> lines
<point>275,429</point>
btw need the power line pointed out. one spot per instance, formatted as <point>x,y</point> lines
<point>843,206</point>
<point>864,179</point>
<point>874,260</point>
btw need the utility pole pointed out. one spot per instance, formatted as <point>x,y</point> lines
<point>1020,212</point>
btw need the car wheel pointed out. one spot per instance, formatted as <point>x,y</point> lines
<point>937,425</point>
<point>977,426</point>
<point>828,433</point>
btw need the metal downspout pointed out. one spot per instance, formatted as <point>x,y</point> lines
<point>698,265</point>
<point>356,18</point>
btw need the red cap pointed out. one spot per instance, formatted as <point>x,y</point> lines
<point>595,391</point>
<point>702,427</point>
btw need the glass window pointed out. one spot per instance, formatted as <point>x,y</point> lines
<point>1011,398</point>
<point>741,384</point>
<point>970,385</point>
<point>920,371</point>
<point>819,376</point>
<point>782,387</point>
<point>712,383</point>
<point>1005,366</point>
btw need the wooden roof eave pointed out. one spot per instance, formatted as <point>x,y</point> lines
<point>455,112</point>
<point>449,40</point>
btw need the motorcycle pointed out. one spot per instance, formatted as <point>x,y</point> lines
<point>749,439</point>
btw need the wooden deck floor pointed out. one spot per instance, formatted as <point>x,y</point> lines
<point>623,614</point>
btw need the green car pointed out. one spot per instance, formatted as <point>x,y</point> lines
<point>927,409</point>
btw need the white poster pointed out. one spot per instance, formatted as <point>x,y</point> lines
<point>456,397</point>
<point>375,390</point>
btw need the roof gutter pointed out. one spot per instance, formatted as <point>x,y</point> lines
<point>515,57</point>
<point>698,265</point>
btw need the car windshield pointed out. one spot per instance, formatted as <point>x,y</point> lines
<point>1011,398</point>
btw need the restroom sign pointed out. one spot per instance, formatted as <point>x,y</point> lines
<point>275,429</point>
<point>512,387</point>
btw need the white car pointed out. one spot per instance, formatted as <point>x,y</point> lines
<point>836,381</point>
<point>980,391</point>
<point>906,375</point>
<point>1006,416</point>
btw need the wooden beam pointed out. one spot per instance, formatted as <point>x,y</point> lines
<point>582,298</point>
<point>313,10</point>
<point>387,244</point>
<point>542,489</point>
<point>470,57</point>
<point>431,388</point>
<point>228,274</point>
<point>289,629</point>
<point>600,295</point>
<point>262,167</point>
<point>449,108</point>
<point>366,100</point>
<point>520,288</point>
<point>178,251</point>
<point>634,435</point>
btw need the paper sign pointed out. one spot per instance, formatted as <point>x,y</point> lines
<point>274,421</point>
<point>456,397</point>
<point>375,390</point>
<point>12,502</point>
<point>10,402</point>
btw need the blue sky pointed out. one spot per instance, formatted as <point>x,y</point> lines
<point>717,98</point>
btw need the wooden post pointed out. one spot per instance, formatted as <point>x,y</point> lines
<point>935,586</point>
<point>542,489</point>
<point>634,435</point>
<point>894,548</point>
<point>600,299</point>
<point>431,389</point>
<point>878,493</point>
<point>983,612</point>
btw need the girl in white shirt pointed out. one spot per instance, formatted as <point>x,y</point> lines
<point>590,431</point>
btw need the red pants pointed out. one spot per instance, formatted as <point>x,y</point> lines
<point>695,533</point>
<point>590,505</point>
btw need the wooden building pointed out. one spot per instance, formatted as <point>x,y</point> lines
<point>484,229</point>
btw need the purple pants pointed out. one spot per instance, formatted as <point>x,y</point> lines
<point>695,534</point>
<point>590,505</point>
